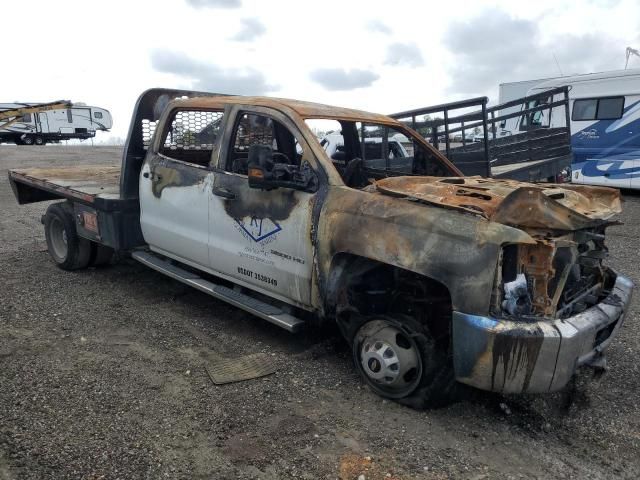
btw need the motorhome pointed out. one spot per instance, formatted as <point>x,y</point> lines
<point>78,122</point>
<point>605,126</point>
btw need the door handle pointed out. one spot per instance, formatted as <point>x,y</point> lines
<point>223,192</point>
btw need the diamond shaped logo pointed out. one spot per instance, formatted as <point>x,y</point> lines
<point>258,228</point>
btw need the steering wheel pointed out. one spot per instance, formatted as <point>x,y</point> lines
<point>353,175</point>
<point>279,154</point>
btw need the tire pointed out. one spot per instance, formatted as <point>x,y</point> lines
<point>27,140</point>
<point>66,248</point>
<point>100,255</point>
<point>39,141</point>
<point>398,359</point>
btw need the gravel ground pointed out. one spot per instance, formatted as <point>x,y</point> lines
<point>102,376</point>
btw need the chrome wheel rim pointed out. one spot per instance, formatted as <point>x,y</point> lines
<point>58,238</point>
<point>389,358</point>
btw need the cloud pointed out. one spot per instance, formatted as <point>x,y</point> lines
<point>341,79</point>
<point>251,29</point>
<point>378,26</point>
<point>404,54</point>
<point>494,48</point>
<point>211,77</point>
<point>215,3</point>
<point>605,3</point>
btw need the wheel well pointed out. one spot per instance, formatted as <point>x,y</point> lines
<point>360,287</point>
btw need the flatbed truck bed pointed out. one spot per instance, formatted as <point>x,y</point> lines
<point>103,215</point>
<point>88,183</point>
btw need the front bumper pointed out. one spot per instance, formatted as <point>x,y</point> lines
<point>518,356</point>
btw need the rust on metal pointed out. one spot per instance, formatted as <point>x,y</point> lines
<point>94,174</point>
<point>537,262</point>
<point>510,202</point>
<point>84,183</point>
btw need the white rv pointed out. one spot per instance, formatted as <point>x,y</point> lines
<point>605,126</point>
<point>80,121</point>
<point>513,91</point>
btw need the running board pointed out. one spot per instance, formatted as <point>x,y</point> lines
<point>268,312</point>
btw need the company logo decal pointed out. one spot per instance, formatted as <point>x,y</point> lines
<point>258,229</point>
<point>591,133</point>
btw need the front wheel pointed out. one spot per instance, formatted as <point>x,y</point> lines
<point>399,359</point>
<point>27,140</point>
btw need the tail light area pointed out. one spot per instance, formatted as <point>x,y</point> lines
<point>555,278</point>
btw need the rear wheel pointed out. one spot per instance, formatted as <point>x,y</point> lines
<point>27,140</point>
<point>39,141</point>
<point>68,250</point>
<point>398,358</point>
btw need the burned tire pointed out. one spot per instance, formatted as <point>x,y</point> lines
<point>100,255</point>
<point>398,359</point>
<point>67,249</point>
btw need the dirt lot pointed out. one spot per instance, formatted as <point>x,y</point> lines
<point>102,376</point>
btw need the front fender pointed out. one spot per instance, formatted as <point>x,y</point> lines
<point>459,250</point>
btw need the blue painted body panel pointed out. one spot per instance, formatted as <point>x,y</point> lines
<point>607,152</point>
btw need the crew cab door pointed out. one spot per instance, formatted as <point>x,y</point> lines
<point>175,185</point>
<point>263,238</point>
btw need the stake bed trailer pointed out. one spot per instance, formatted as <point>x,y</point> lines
<point>236,197</point>
<point>534,154</point>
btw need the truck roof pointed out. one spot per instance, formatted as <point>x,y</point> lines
<point>302,108</point>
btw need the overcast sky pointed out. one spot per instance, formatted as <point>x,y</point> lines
<point>380,56</point>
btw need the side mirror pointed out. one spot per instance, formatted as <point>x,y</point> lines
<point>260,166</point>
<point>265,174</point>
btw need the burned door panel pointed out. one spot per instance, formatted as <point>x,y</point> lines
<point>262,237</point>
<point>174,208</point>
<point>175,184</point>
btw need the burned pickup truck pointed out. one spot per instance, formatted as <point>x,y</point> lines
<point>432,277</point>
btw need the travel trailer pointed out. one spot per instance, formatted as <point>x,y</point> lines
<point>605,126</point>
<point>77,122</point>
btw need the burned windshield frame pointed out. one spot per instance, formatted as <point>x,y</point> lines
<point>345,140</point>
